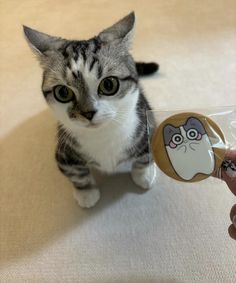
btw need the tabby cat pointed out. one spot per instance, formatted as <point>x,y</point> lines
<point>93,88</point>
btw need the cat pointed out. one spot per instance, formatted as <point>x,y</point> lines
<point>189,149</point>
<point>93,88</point>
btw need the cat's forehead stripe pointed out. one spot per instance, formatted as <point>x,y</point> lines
<point>76,48</point>
<point>94,61</point>
<point>91,65</point>
<point>74,66</point>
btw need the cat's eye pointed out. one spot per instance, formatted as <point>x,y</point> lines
<point>63,94</point>
<point>192,134</point>
<point>108,86</point>
<point>177,139</point>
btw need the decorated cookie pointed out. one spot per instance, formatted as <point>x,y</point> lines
<point>188,147</point>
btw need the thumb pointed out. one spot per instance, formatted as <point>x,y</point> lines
<point>227,171</point>
<point>230,181</point>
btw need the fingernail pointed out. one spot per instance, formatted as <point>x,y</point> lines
<point>234,220</point>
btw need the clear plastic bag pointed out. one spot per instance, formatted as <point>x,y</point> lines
<point>190,146</point>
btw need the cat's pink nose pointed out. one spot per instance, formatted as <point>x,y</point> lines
<point>88,115</point>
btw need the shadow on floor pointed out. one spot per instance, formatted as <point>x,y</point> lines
<point>37,206</point>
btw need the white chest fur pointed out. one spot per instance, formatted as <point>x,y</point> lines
<point>107,145</point>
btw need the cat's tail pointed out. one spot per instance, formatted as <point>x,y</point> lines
<point>145,69</point>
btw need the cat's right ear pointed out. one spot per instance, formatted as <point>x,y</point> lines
<point>41,42</point>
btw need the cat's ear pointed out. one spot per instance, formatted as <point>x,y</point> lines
<point>41,42</point>
<point>195,123</point>
<point>168,132</point>
<point>120,32</point>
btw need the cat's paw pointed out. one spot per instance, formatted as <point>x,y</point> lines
<point>144,177</point>
<point>88,197</point>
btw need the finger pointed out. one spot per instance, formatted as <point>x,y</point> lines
<point>232,231</point>
<point>230,182</point>
<point>233,214</point>
<point>231,154</point>
<point>216,174</point>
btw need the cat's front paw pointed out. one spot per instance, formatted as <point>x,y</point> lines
<point>88,197</point>
<point>144,177</point>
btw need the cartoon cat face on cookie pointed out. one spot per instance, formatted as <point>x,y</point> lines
<point>189,149</point>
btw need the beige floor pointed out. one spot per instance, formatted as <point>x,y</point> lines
<point>173,233</point>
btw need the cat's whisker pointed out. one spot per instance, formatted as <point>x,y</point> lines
<point>118,122</point>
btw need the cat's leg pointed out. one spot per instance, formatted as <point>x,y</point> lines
<point>144,172</point>
<point>85,191</point>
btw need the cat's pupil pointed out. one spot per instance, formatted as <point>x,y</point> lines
<point>63,92</point>
<point>177,139</point>
<point>192,134</point>
<point>108,84</point>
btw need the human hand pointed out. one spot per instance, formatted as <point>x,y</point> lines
<point>228,174</point>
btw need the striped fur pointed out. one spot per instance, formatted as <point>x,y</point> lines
<point>117,131</point>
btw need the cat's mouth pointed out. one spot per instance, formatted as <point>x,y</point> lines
<point>87,124</point>
<point>94,125</point>
<point>98,123</point>
<point>91,125</point>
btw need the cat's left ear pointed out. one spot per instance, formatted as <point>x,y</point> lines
<point>42,42</point>
<point>195,123</point>
<point>120,32</point>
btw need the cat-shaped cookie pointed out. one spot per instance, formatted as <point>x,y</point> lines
<point>189,149</point>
